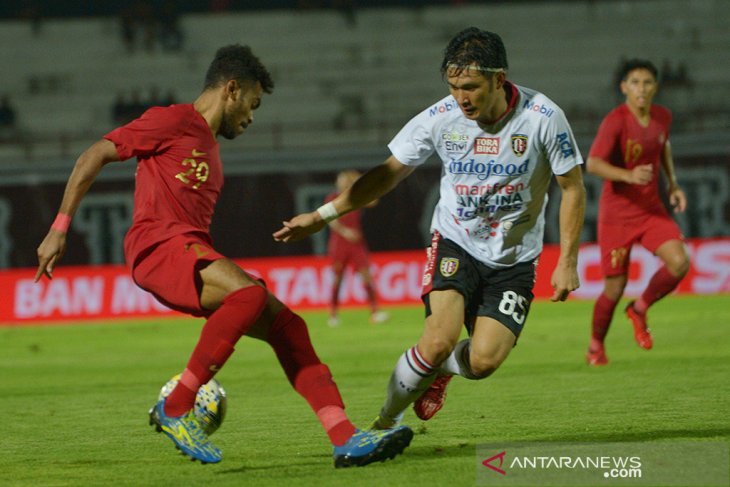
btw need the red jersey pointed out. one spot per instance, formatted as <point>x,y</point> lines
<point>349,220</point>
<point>179,174</point>
<point>623,142</point>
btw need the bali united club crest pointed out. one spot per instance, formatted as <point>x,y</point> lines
<point>449,266</point>
<point>519,144</point>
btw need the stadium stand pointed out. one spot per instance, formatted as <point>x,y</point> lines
<point>65,78</point>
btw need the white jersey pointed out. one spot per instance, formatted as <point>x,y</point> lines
<point>493,184</point>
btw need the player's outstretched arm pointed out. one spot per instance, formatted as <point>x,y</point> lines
<point>369,187</point>
<point>572,208</point>
<point>83,175</point>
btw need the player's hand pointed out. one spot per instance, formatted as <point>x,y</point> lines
<point>564,281</point>
<point>50,250</point>
<point>642,174</point>
<point>677,199</point>
<point>299,227</point>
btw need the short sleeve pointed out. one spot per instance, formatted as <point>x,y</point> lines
<point>145,135</point>
<point>413,145</point>
<point>560,146</point>
<point>664,115</point>
<point>607,137</point>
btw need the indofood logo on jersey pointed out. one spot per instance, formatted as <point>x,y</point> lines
<point>542,109</point>
<point>482,170</point>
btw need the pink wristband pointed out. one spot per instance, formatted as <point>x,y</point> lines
<point>61,223</point>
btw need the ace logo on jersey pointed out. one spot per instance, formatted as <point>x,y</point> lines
<point>448,266</point>
<point>519,144</point>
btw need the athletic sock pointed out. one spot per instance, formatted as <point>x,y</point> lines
<point>661,283</point>
<point>315,384</point>
<point>457,363</point>
<point>335,297</point>
<point>602,316</point>
<point>236,314</point>
<point>372,297</point>
<point>411,376</point>
<point>289,338</point>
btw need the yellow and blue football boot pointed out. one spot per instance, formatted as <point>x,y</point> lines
<point>365,447</point>
<point>186,432</point>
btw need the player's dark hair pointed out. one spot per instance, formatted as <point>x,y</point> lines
<point>475,46</point>
<point>239,63</point>
<point>637,63</point>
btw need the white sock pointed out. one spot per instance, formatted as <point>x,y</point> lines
<point>457,363</point>
<point>412,375</point>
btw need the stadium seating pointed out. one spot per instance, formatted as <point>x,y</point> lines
<point>340,84</point>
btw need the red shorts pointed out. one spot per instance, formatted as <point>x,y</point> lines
<point>168,270</point>
<point>617,238</point>
<point>344,254</point>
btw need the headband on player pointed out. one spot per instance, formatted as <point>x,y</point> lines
<point>462,67</point>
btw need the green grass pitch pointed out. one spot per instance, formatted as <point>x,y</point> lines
<point>76,397</point>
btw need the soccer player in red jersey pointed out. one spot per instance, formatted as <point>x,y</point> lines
<point>347,248</point>
<point>630,150</point>
<point>170,253</point>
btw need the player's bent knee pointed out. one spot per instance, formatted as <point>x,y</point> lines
<point>250,295</point>
<point>614,288</point>
<point>435,350</point>
<point>482,367</point>
<point>253,298</point>
<point>680,267</point>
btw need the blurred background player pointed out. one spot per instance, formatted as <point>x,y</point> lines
<point>170,252</point>
<point>629,151</point>
<point>348,248</point>
<point>481,267</point>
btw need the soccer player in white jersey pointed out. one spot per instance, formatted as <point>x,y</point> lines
<point>500,145</point>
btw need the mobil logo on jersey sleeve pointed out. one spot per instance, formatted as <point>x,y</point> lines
<point>443,107</point>
<point>541,108</point>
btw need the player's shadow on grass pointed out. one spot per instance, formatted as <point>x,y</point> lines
<point>431,453</point>
<point>419,453</point>
<point>312,460</point>
<point>427,453</point>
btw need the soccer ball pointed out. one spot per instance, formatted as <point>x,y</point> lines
<point>210,403</point>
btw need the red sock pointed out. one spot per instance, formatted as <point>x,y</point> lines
<point>602,316</point>
<point>237,313</point>
<point>372,297</point>
<point>335,298</point>
<point>660,284</point>
<point>289,338</point>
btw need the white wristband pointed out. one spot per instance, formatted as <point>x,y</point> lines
<point>328,212</point>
